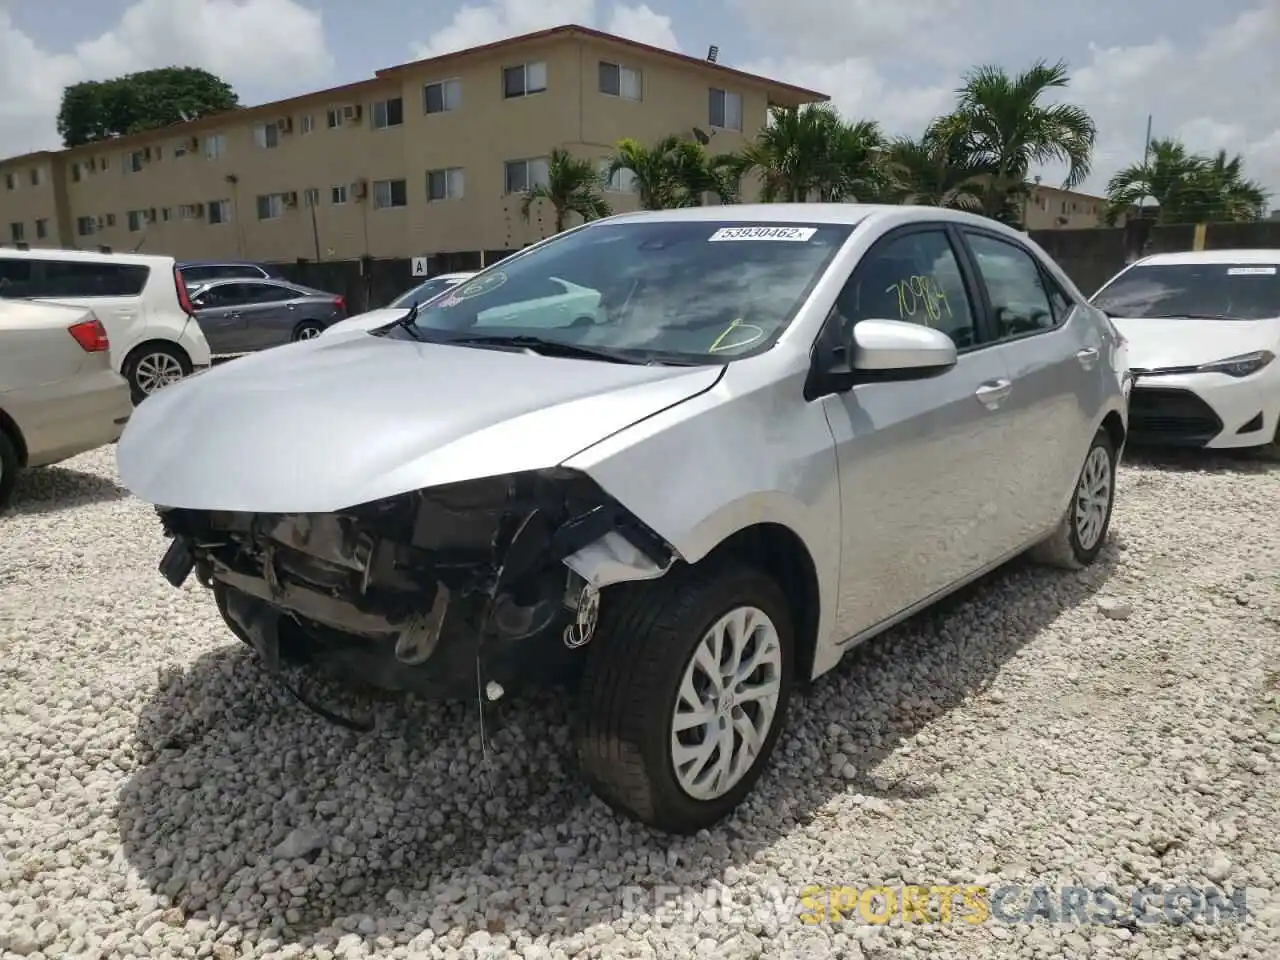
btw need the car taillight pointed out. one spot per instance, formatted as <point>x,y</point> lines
<point>184,299</point>
<point>91,335</point>
<point>339,303</point>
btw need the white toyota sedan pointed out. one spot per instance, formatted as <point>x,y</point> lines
<point>1203,332</point>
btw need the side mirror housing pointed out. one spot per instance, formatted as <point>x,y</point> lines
<point>881,351</point>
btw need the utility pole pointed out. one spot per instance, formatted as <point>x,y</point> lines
<point>1146,155</point>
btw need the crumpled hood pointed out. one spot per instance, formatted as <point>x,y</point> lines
<point>365,321</point>
<point>324,424</point>
<point>1157,344</point>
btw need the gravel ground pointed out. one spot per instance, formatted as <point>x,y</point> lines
<point>160,797</point>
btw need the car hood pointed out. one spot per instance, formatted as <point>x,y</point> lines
<point>320,425</point>
<point>366,321</point>
<point>1163,343</point>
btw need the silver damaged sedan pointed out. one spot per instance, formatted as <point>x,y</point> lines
<point>752,437</point>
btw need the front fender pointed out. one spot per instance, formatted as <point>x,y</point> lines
<point>739,455</point>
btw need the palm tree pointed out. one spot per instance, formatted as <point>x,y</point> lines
<point>1188,187</point>
<point>809,153</point>
<point>1004,128</point>
<point>573,186</point>
<point>652,169</point>
<point>935,171</point>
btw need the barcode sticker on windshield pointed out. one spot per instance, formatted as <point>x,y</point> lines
<point>792,234</point>
<point>1251,271</point>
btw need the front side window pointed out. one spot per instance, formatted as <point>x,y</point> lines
<point>688,291</point>
<point>1237,291</point>
<point>914,277</point>
<point>1016,286</point>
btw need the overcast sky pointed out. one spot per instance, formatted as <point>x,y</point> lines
<point>1207,72</point>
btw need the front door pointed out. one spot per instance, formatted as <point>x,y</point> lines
<point>919,461</point>
<point>270,313</point>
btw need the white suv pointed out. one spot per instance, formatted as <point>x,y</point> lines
<point>141,300</point>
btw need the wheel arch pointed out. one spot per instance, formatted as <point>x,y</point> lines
<point>156,342</point>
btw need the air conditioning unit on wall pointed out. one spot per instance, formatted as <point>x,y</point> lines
<point>360,189</point>
<point>352,112</point>
<point>285,125</point>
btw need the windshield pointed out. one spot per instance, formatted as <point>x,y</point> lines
<point>701,291</point>
<point>1240,291</point>
<point>422,293</point>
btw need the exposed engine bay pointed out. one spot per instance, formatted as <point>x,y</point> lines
<point>432,591</point>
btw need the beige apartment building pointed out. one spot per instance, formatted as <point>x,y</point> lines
<point>1052,208</point>
<point>425,158</point>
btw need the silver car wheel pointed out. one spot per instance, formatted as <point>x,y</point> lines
<point>309,333</point>
<point>1093,497</point>
<point>156,370</point>
<point>726,704</point>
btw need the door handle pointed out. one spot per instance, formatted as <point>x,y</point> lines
<point>1087,357</point>
<point>993,393</point>
<point>233,316</point>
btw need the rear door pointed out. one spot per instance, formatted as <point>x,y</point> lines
<point>219,313</point>
<point>1054,355</point>
<point>112,290</point>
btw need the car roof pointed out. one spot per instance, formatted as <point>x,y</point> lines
<point>849,214</point>
<point>92,256</point>
<point>270,281</point>
<point>1210,257</point>
<point>218,263</point>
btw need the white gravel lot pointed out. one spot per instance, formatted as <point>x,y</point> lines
<point>154,783</point>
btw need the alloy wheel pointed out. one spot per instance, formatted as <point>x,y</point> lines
<point>308,333</point>
<point>156,370</point>
<point>726,704</point>
<point>1093,497</point>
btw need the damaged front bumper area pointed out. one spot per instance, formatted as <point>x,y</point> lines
<point>435,591</point>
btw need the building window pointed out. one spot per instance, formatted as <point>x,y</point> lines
<point>42,229</point>
<point>189,211</point>
<point>619,81</point>
<point>137,220</point>
<point>86,226</point>
<point>388,113</point>
<point>111,219</point>
<point>215,146</point>
<point>620,181</point>
<point>179,151</point>
<point>526,79</point>
<point>219,211</point>
<point>442,97</point>
<point>444,184</point>
<point>37,176</point>
<point>334,117</point>
<point>166,214</point>
<point>10,181</point>
<point>270,206</point>
<point>267,136</point>
<point>338,194</point>
<point>725,110</point>
<point>134,162</point>
<point>104,163</point>
<point>390,193</point>
<point>311,197</point>
<point>524,175</point>
<point>18,232</point>
<point>307,123</point>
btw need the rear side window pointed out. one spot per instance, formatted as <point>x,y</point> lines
<point>68,278</point>
<point>1017,287</point>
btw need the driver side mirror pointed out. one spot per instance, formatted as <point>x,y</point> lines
<point>881,351</point>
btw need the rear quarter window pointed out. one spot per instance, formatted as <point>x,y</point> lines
<point>68,278</point>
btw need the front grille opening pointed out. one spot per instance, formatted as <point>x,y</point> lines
<point>1167,415</point>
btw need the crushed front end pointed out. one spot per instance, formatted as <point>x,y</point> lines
<point>436,591</point>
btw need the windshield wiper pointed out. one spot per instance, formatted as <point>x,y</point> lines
<point>409,322</point>
<point>1190,316</point>
<point>550,348</point>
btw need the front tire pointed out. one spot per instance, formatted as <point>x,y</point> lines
<point>684,694</point>
<point>1080,537</point>
<point>154,366</point>
<point>8,469</point>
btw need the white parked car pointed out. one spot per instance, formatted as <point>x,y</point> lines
<point>141,299</point>
<point>1203,332</point>
<point>372,319</point>
<point>58,394</point>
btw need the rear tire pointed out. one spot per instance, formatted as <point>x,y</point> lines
<point>307,330</point>
<point>642,672</point>
<point>1082,533</point>
<point>8,469</point>
<point>154,366</point>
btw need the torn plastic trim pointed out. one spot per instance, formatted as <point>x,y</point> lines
<point>615,559</point>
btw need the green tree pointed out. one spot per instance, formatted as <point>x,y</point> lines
<point>1188,187</point>
<point>935,171</point>
<point>572,187</point>
<point>810,153</point>
<point>1004,128</point>
<point>102,109</point>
